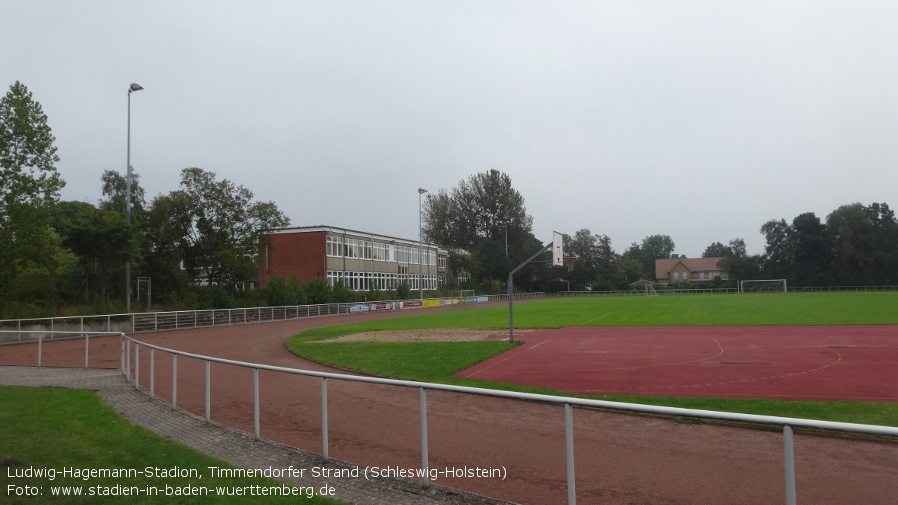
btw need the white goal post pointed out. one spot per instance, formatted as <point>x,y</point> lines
<point>763,286</point>
<point>646,286</point>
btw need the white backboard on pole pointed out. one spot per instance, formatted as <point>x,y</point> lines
<point>557,249</point>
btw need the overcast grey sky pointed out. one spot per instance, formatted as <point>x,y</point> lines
<point>695,119</point>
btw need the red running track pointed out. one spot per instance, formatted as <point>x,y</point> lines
<point>620,459</point>
<point>816,363</point>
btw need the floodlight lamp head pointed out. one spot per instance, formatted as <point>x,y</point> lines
<point>421,191</point>
<point>134,87</point>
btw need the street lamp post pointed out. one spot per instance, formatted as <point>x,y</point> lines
<point>421,192</point>
<point>134,87</point>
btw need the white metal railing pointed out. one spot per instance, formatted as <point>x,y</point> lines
<point>786,423</point>
<point>13,330</point>
<point>40,336</point>
<point>183,319</point>
<point>699,291</point>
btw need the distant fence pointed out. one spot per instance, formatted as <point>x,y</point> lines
<point>57,327</point>
<point>705,291</point>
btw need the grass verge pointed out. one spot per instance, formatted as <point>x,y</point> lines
<point>54,428</point>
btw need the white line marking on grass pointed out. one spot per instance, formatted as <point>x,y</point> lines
<point>593,319</point>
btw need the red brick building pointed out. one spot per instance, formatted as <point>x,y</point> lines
<point>361,260</point>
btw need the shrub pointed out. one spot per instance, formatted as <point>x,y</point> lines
<point>319,291</point>
<point>402,290</point>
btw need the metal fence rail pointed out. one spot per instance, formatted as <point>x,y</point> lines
<point>183,319</point>
<point>787,424</point>
<point>41,336</point>
<point>705,291</point>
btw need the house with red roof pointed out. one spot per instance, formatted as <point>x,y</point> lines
<point>680,270</point>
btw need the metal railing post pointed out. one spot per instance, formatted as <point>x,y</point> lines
<point>569,450</point>
<point>152,372</point>
<point>256,401</point>
<point>174,381</point>
<point>789,460</point>
<point>86,347</point>
<point>136,365</point>
<point>128,356</point>
<point>40,348</point>
<point>208,391</point>
<point>424,455</point>
<point>324,443</point>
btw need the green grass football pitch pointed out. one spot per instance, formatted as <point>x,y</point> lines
<point>418,361</point>
<point>799,309</point>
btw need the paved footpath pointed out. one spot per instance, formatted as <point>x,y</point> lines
<point>228,444</point>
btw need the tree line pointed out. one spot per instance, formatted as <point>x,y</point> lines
<point>57,254</point>
<point>856,245</point>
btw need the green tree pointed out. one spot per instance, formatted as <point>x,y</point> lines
<point>491,258</point>
<point>610,269</point>
<point>225,226</point>
<point>634,268</point>
<point>584,245</point>
<point>29,185</point>
<point>810,251</point>
<point>715,250</point>
<point>440,221</point>
<point>852,238</point>
<point>738,264</point>
<point>42,284</point>
<point>483,211</point>
<point>165,244</point>
<point>885,247</point>
<point>655,247</point>
<point>778,251</point>
<point>488,204</point>
<point>115,188</point>
<point>102,240</point>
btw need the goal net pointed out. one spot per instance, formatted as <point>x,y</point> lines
<point>645,286</point>
<point>763,286</point>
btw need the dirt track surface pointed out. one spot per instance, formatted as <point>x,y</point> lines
<point>620,459</point>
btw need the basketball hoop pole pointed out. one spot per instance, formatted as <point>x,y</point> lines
<point>511,290</point>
